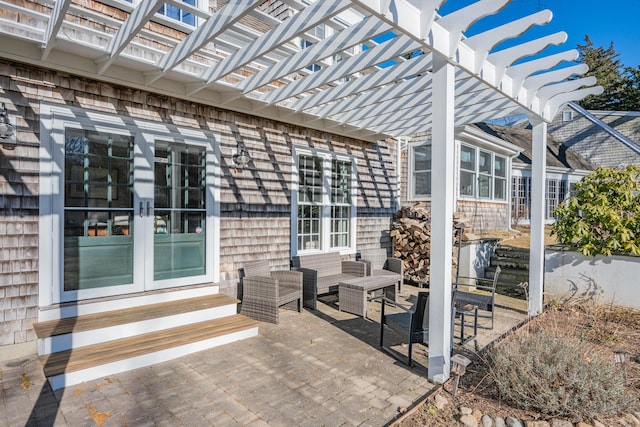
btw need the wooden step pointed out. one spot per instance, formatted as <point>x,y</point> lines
<point>88,322</point>
<point>143,350</point>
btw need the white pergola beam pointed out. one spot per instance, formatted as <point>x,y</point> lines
<point>370,57</point>
<point>460,20</point>
<point>128,30</point>
<point>410,68</point>
<point>520,72</point>
<point>484,42</point>
<point>534,83</point>
<point>311,16</point>
<point>504,58</point>
<point>354,108</point>
<point>351,36</point>
<point>217,23</point>
<point>55,23</point>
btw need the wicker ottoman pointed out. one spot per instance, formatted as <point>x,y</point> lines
<point>353,293</point>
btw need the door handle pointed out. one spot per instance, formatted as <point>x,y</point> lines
<point>149,208</point>
<point>141,210</point>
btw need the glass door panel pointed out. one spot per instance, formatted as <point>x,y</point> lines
<point>179,211</point>
<point>98,210</point>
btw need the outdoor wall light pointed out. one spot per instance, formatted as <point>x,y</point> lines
<point>241,158</point>
<point>7,130</point>
<point>459,365</point>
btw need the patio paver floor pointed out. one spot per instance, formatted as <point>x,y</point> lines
<point>321,368</point>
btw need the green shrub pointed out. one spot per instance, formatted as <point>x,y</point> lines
<point>603,217</point>
<point>556,375</point>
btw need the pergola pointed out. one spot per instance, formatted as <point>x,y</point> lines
<point>386,68</point>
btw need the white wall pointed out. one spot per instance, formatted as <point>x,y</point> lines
<point>572,276</point>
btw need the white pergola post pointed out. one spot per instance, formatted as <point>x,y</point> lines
<point>442,201</point>
<point>538,207</point>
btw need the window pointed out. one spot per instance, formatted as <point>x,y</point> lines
<point>567,116</point>
<point>421,167</point>
<point>340,203</point>
<point>325,206</point>
<point>556,191</point>
<point>467,171</point>
<point>179,14</point>
<point>483,174</point>
<point>309,202</point>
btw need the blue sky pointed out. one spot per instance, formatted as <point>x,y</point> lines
<point>616,21</point>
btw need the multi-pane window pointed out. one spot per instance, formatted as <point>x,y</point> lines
<point>421,158</point>
<point>325,203</point>
<point>500,178</point>
<point>483,174</point>
<point>340,204</point>
<point>174,12</point>
<point>309,202</point>
<point>467,171</point>
<point>556,190</point>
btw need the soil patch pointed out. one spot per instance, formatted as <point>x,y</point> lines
<point>605,327</point>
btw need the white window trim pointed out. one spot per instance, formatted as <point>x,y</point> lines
<point>476,197</point>
<point>325,220</point>
<point>54,119</point>
<point>411,184</point>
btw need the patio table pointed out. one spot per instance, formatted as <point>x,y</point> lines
<point>353,293</point>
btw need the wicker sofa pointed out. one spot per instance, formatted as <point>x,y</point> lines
<point>323,272</point>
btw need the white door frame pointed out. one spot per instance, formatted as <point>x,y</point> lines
<point>54,120</point>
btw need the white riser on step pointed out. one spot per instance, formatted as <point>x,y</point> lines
<point>95,336</point>
<point>128,301</point>
<point>72,378</point>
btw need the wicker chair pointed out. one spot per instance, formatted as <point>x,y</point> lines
<point>380,264</point>
<point>265,291</point>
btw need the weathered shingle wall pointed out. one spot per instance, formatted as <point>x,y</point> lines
<point>255,203</point>
<point>485,216</point>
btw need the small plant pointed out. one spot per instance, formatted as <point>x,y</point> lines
<point>557,375</point>
<point>603,217</point>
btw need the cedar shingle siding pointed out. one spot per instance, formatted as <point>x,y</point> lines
<point>255,203</point>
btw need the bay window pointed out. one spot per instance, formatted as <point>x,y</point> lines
<point>483,174</point>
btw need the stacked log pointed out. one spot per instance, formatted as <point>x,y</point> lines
<point>411,236</point>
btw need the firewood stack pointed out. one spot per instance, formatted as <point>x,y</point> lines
<point>411,236</point>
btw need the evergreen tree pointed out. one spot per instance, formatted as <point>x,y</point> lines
<point>606,67</point>
<point>631,90</point>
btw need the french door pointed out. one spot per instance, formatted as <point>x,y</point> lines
<point>137,213</point>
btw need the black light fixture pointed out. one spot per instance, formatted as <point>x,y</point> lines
<point>241,158</point>
<point>7,130</point>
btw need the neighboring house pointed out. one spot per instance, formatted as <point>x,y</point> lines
<point>483,173</point>
<point>604,138</point>
<point>493,178</point>
<point>565,167</point>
